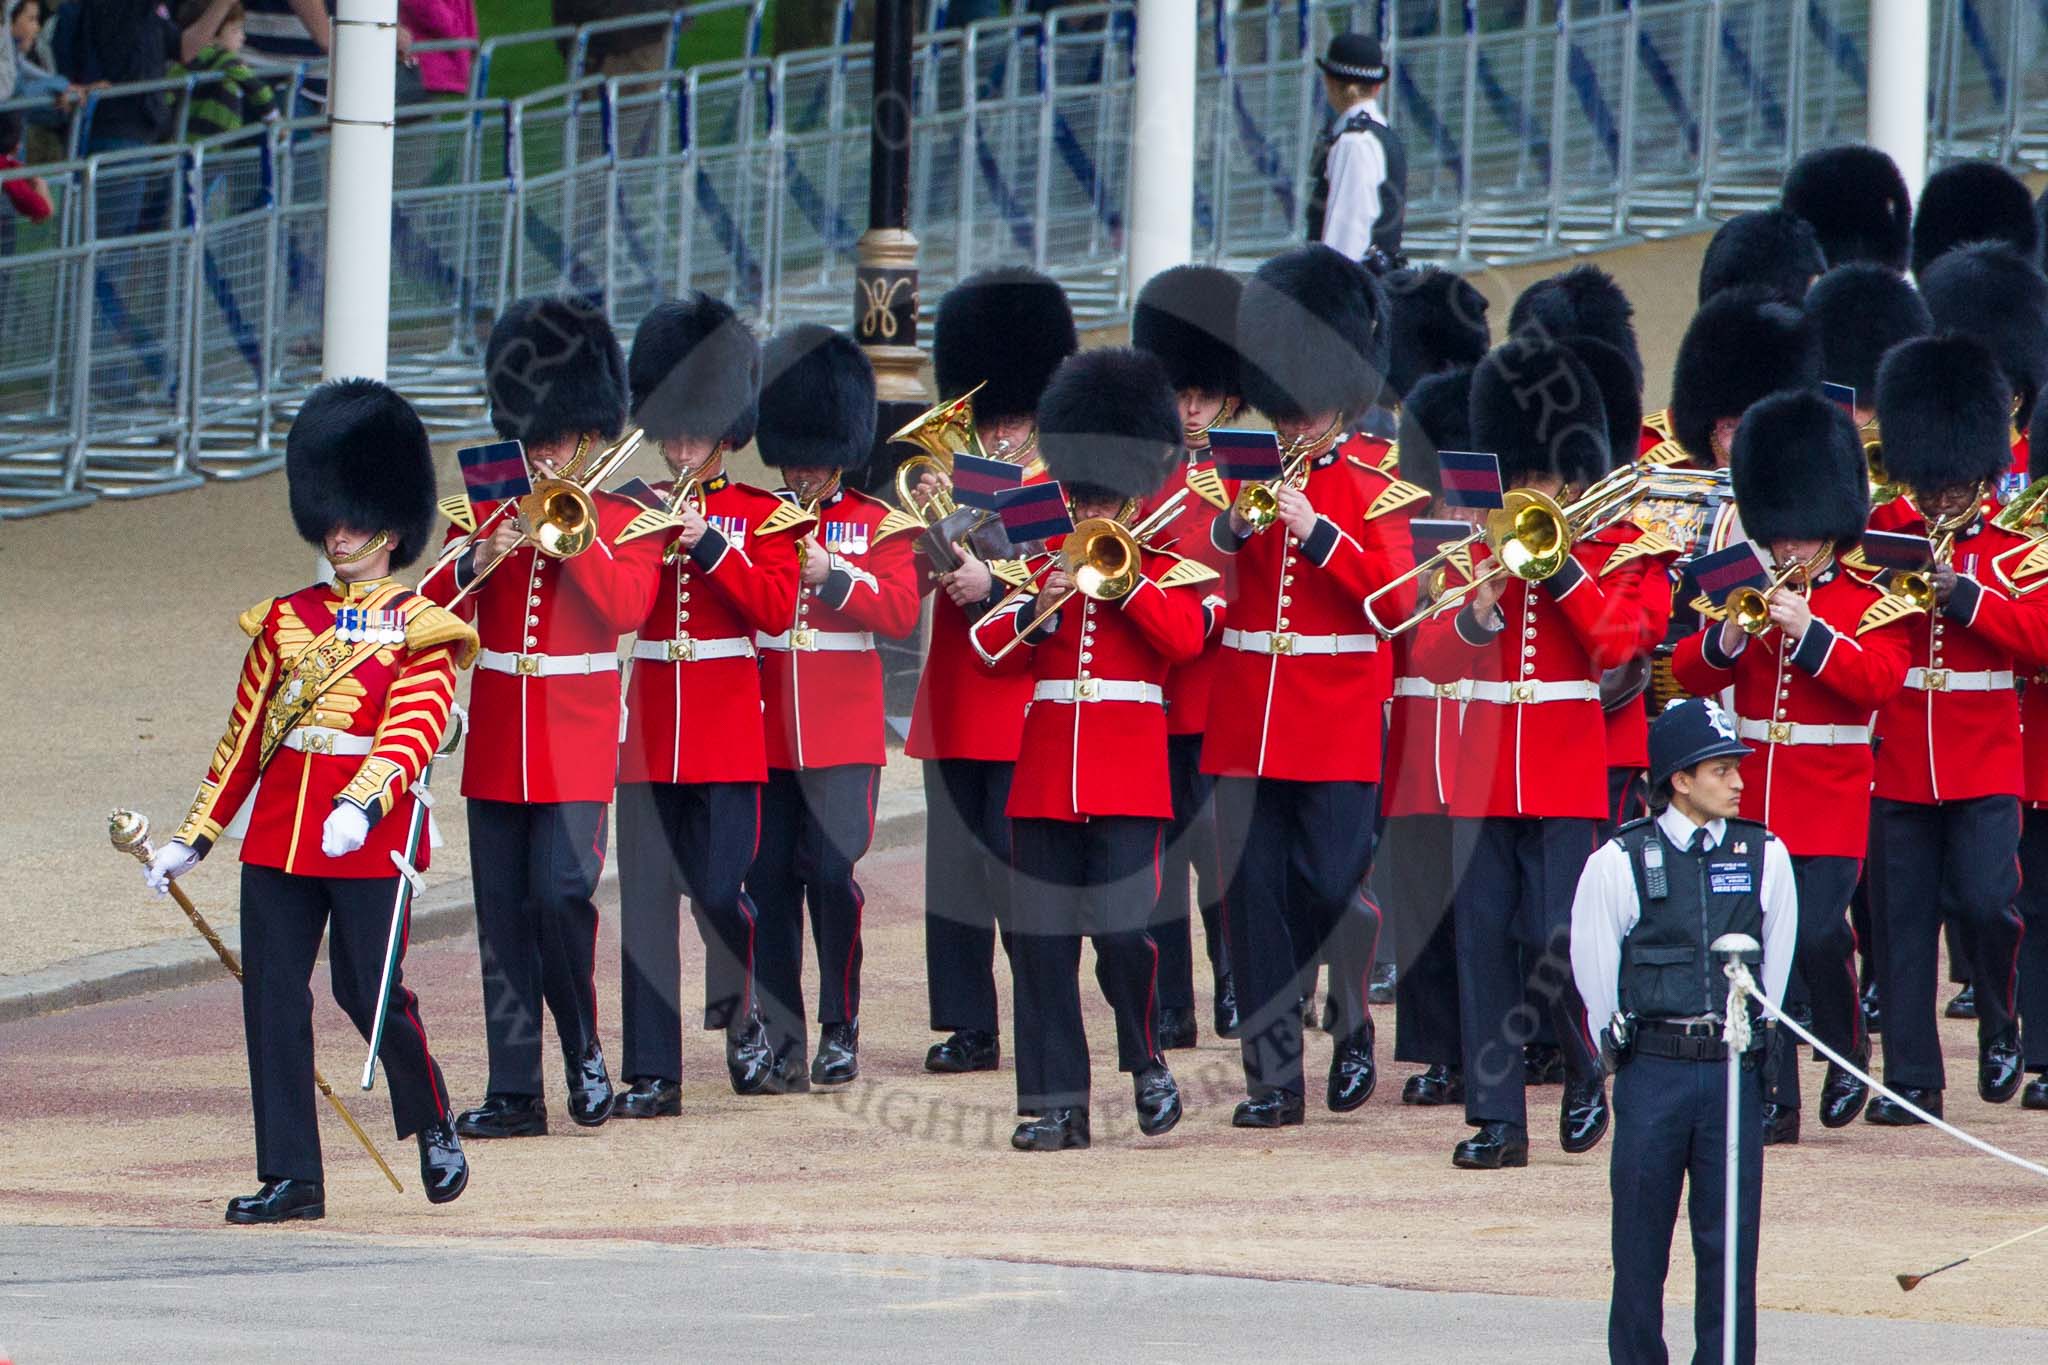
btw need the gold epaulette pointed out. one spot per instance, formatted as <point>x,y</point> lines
<point>649,521</point>
<point>1665,452</point>
<point>1015,572</point>
<point>1461,560</point>
<point>1649,545</point>
<point>428,624</point>
<point>1857,561</point>
<point>895,523</point>
<point>1704,605</point>
<point>1186,572</point>
<point>251,621</point>
<point>1033,468</point>
<point>1659,422</point>
<point>2033,563</point>
<point>1885,610</point>
<point>1208,486</point>
<point>786,516</point>
<point>456,508</point>
<point>1390,463</point>
<point>1394,497</point>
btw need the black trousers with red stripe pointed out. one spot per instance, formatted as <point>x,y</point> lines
<point>535,870</point>
<point>283,917</point>
<point>1189,856</point>
<point>2033,908</point>
<point>1825,962</point>
<point>1069,879</point>
<point>1413,874</point>
<point>691,839</point>
<point>1293,855</point>
<point>966,888</point>
<point>1929,862</point>
<point>815,825</point>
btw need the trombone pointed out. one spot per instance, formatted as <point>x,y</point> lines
<point>1750,607</point>
<point>1100,555</point>
<point>558,516</point>
<point>1258,504</point>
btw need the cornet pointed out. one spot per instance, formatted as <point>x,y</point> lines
<point>1750,607</point>
<point>1258,504</point>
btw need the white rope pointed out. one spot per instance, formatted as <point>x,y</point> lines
<point>1748,985</point>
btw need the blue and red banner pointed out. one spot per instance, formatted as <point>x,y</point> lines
<point>1035,511</point>
<point>977,480</point>
<point>1471,479</point>
<point>1245,456</point>
<point>495,472</point>
<point>1723,571</point>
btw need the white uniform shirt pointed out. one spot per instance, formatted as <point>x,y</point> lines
<point>1356,169</point>
<point>1607,907</point>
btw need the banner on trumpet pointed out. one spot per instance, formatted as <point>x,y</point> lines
<point>1719,574</point>
<point>1896,550</point>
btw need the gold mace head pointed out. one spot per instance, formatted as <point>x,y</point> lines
<point>129,830</point>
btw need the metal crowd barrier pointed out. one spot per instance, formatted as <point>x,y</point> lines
<point>161,328</point>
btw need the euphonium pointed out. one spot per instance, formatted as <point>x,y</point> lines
<point>941,433</point>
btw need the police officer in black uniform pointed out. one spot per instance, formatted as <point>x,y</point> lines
<point>1650,904</point>
<point>1360,171</point>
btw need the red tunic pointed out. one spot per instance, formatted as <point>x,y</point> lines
<point>1805,708</point>
<point>392,706</point>
<point>693,705</point>
<point>1422,738</point>
<point>1282,703</point>
<point>821,685</point>
<point>1628,726</point>
<point>1088,754</point>
<point>1189,535</point>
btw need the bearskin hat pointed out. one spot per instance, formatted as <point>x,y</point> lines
<point>696,372</point>
<point>1862,310</point>
<point>1621,391</point>
<point>1438,322</point>
<point>1946,412</point>
<point>1739,346</point>
<point>1769,249</point>
<point>1799,471</point>
<point>1109,420</point>
<point>1537,407</point>
<point>1009,327</point>
<point>1436,415</point>
<point>1313,336</point>
<point>1973,201</point>
<point>817,399</point>
<point>1989,292</point>
<point>1858,204</point>
<point>1187,316</point>
<point>1582,301</point>
<point>552,368</point>
<point>358,456</point>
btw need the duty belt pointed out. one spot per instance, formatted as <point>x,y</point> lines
<point>1097,689</point>
<point>318,739</point>
<point>1286,642</point>
<point>1792,732</point>
<point>546,665</point>
<point>804,638</point>
<point>1529,693</point>
<point>1948,680</point>
<point>687,650</point>
<point>1423,687</point>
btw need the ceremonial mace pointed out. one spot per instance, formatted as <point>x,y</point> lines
<point>129,831</point>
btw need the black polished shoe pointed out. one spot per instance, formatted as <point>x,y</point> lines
<point>968,1049</point>
<point>788,1074</point>
<point>444,1170</point>
<point>1582,1118</point>
<point>1440,1084</point>
<point>1999,1071</point>
<point>1157,1099</point>
<point>1873,1010</point>
<point>1352,1072</point>
<point>1274,1109</point>
<point>1781,1125</point>
<point>1494,1146</point>
<point>1380,989</point>
<point>280,1201</point>
<point>838,1059</point>
<point>1842,1095</point>
<point>1964,1005</point>
<point>590,1088</point>
<point>1058,1131</point>
<point>1542,1064</point>
<point>649,1097</point>
<point>1176,1029</point>
<point>1883,1111</point>
<point>1226,1006</point>
<point>504,1116</point>
<point>749,1061</point>
<point>2035,1096</point>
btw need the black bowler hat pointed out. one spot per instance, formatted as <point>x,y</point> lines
<point>1689,732</point>
<point>1354,57</point>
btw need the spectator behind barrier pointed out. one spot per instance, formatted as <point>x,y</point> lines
<point>119,42</point>
<point>25,20</point>
<point>28,197</point>
<point>229,94</point>
<point>436,73</point>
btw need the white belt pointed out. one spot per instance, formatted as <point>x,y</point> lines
<point>1792,732</point>
<point>318,739</point>
<point>1524,693</point>
<point>546,665</point>
<point>1423,687</point>
<point>804,638</point>
<point>1283,642</point>
<point>1097,689</point>
<point>1948,680</point>
<point>689,651</point>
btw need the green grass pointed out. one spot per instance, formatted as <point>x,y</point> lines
<point>519,68</point>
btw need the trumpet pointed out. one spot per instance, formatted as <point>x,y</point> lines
<point>1750,607</point>
<point>1258,504</point>
<point>1916,586</point>
<point>686,493</point>
<point>1100,555</point>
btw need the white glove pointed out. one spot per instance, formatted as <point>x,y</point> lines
<point>167,864</point>
<point>345,830</point>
